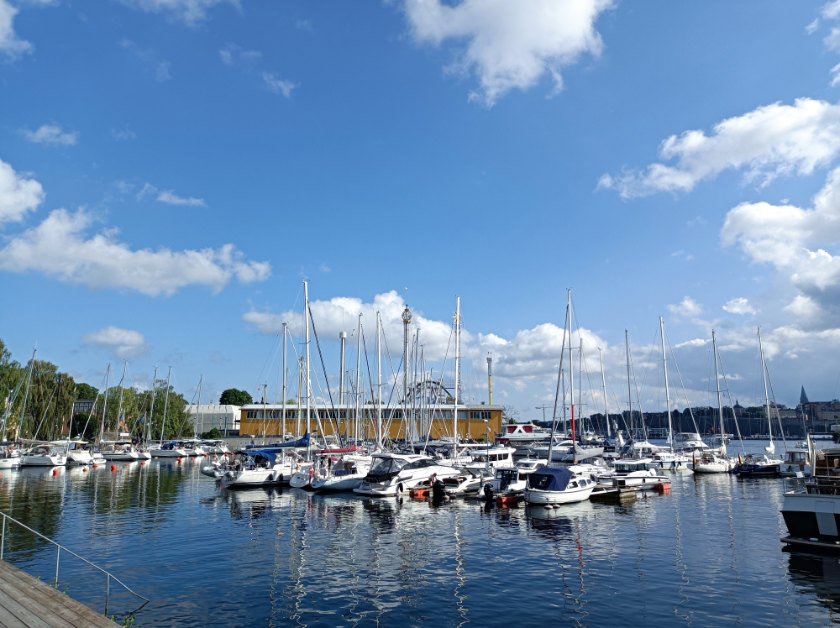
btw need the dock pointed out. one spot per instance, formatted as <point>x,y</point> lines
<point>26,602</point>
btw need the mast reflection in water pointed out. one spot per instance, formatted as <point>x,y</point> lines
<point>707,554</point>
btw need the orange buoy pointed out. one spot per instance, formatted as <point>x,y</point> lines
<point>84,469</point>
<point>95,466</point>
<point>142,462</point>
<point>126,464</point>
<point>179,461</point>
<point>55,471</point>
<point>113,468</point>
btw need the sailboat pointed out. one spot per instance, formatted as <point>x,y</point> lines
<point>549,486</point>
<point>10,455</point>
<point>669,460</point>
<point>761,465</point>
<point>714,461</point>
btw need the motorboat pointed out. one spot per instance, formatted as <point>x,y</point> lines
<point>9,457</point>
<point>469,480</point>
<point>45,455</point>
<point>78,452</point>
<point>758,466</point>
<point>639,473</point>
<point>795,462</point>
<point>551,487</point>
<point>711,462</point>
<point>811,508</point>
<point>689,442</point>
<point>668,460</point>
<point>395,474</point>
<point>341,470</point>
<point>256,468</point>
<point>171,449</point>
<point>119,451</point>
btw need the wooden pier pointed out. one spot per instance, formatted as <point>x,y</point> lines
<point>26,602</point>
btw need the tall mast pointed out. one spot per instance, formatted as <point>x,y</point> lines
<point>720,404</point>
<point>629,393</point>
<point>604,385</point>
<point>771,447</point>
<point>308,381</point>
<point>283,411</point>
<point>198,406</point>
<point>119,405</point>
<point>457,373</point>
<point>148,429</point>
<point>165,406</point>
<point>406,319</point>
<point>358,376</point>
<point>667,393</point>
<point>26,392</point>
<point>571,368</point>
<point>104,402</point>
<point>378,381</point>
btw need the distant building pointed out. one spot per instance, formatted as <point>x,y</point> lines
<point>475,421</point>
<point>83,406</point>
<point>207,416</point>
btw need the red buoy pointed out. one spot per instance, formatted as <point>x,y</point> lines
<point>113,468</point>
<point>84,469</point>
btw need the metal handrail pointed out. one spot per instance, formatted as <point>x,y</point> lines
<point>109,575</point>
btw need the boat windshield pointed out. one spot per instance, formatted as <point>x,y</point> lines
<point>386,465</point>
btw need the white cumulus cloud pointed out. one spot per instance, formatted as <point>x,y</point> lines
<point>10,45</point>
<point>510,45</point>
<point>59,247</point>
<point>796,241</point>
<point>51,134</point>
<point>766,143</point>
<point>18,194</point>
<point>740,305</point>
<point>191,12</point>
<point>686,308</point>
<point>124,343</point>
<point>277,85</point>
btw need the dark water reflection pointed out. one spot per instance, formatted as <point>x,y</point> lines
<point>708,554</point>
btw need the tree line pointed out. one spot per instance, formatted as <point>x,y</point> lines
<point>39,399</point>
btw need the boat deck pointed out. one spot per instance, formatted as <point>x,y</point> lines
<point>26,602</point>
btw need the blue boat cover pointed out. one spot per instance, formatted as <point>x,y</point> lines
<point>264,453</point>
<point>548,479</point>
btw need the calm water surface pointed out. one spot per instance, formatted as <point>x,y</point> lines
<point>708,554</point>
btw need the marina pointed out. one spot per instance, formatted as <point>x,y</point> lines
<point>708,553</point>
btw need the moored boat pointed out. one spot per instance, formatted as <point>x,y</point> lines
<point>552,487</point>
<point>811,509</point>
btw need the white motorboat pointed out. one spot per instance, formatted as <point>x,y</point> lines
<point>119,451</point>
<point>46,455</point>
<point>811,509</point>
<point>78,452</point>
<point>795,462</point>
<point>9,458</point>
<point>711,462</point>
<point>493,458</point>
<point>341,471</point>
<point>552,487</point>
<point>259,468</point>
<point>641,473</point>
<point>171,449</point>
<point>672,460</point>
<point>469,480</point>
<point>689,442</point>
<point>394,474</point>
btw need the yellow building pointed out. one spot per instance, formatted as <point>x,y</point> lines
<point>475,422</point>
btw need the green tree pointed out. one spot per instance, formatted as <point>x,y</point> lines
<point>86,391</point>
<point>235,397</point>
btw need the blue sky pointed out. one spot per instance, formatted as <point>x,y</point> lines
<point>172,170</point>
